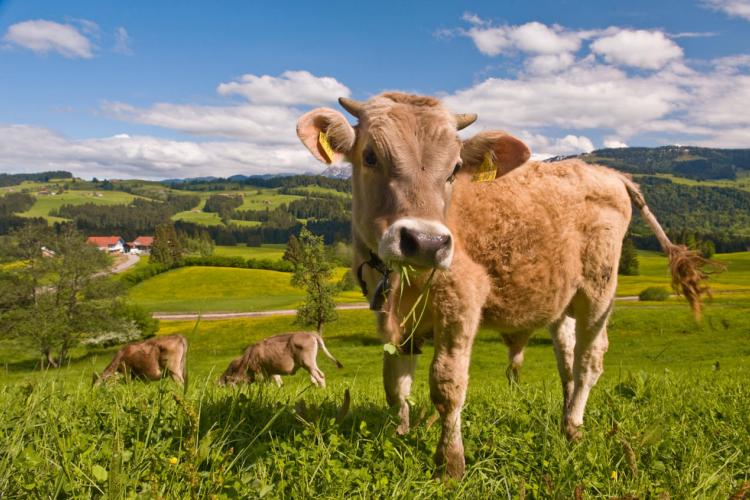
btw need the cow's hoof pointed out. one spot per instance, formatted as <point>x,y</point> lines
<point>449,466</point>
<point>573,432</point>
<point>403,428</point>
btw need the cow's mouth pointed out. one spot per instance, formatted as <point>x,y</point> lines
<point>417,242</point>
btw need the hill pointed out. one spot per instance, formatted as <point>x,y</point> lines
<point>684,161</point>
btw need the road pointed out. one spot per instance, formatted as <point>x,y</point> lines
<point>130,260</point>
<point>278,312</point>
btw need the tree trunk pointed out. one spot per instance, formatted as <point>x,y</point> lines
<point>320,327</point>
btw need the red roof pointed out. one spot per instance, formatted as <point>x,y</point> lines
<point>143,241</point>
<point>103,241</point>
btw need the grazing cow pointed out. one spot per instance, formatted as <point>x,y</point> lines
<point>279,355</point>
<point>148,360</point>
<point>538,246</point>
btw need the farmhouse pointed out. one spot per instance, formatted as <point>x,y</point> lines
<point>111,244</point>
<point>141,245</point>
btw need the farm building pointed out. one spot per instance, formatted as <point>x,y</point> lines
<point>141,245</point>
<point>111,244</point>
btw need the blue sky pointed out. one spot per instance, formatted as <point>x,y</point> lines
<point>165,89</point>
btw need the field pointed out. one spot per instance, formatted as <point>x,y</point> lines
<point>668,418</point>
<point>45,203</point>
<point>267,251</point>
<point>203,289</point>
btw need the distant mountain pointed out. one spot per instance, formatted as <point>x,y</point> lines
<point>338,172</point>
<point>190,179</point>
<point>684,161</point>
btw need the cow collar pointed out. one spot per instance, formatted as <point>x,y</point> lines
<point>384,286</point>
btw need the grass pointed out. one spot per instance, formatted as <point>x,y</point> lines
<point>45,203</point>
<point>267,251</point>
<point>654,271</point>
<point>203,289</point>
<point>663,420</point>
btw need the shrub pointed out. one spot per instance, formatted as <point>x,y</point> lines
<point>654,293</point>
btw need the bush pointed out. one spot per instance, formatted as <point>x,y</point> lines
<point>654,293</point>
<point>348,282</point>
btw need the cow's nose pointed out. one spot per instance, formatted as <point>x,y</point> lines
<point>415,243</point>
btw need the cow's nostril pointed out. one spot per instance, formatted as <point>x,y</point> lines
<point>408,243</point>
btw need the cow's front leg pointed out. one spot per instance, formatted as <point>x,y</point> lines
<point>457,304</point>
<point>449,378</point>
<point>398,373</point>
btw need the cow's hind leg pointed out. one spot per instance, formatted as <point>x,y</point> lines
<point>398,373</point>
<point>588,363</point>
<point>563,334</point>
<point>516,343</point>
<point>174,366</point>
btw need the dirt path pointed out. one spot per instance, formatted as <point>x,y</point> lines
<point>279,312</point>
<point>252,314</point>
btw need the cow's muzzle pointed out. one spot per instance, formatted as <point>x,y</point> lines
<point>422,243</point>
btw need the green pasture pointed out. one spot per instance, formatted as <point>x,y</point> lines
<point>198,216</point>
<point>266,251</point>
<point>204,289</point>
<point>45,203</point>
<point>654,271</point>
<point>668,419</point>
<point>741,182</point>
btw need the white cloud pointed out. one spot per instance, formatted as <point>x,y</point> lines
<point>123,42</point>
<point>637,48</point>
<point>292,87</point>
<point>549,63</point>
<point>267,124</point>
<point>584,96</point>
<point>42,36</point>
<point>125,156</point>
<point>545,147</point>
<point>614,143</point>
<point>734,8</point>
<point>533,37</point>
<point>270,117</point>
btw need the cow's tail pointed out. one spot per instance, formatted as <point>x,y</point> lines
<point>686,266</point>
<point>322,345</point>
<point>183,364</point>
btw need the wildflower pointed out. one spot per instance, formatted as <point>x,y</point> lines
<point>173,460</point>
<point>613,475</point>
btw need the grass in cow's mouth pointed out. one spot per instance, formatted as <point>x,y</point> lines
<point>404,271</point>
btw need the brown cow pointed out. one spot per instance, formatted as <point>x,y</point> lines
<point>149,359</point>
<point>538,246</point>
<point>279,355</point>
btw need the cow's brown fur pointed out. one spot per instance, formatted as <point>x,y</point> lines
<point>279,355</point>
<point>150,360</point>
<point>539,246</point>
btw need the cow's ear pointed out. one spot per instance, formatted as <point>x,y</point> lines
<point>503,150</point>
<point>326,133</point>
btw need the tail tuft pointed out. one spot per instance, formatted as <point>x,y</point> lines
<point>689,274</point>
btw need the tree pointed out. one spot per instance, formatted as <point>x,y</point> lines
<point>628,258</point>
<point>313,272</point>
<point>60,298</point>
<point>167,247</point>
<point>293,252</point>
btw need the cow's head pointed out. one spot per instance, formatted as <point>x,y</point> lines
<point>406,157</point>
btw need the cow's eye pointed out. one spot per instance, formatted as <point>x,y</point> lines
<point>369,158</point>
<point>452,177</point>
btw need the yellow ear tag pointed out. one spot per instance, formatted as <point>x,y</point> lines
<point>325,146</point>
<point>486,171</point>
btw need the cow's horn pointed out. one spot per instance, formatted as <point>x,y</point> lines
<point>352,106</point>
<point>463,120</point>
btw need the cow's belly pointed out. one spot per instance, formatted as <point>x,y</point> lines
<point>281,366</point>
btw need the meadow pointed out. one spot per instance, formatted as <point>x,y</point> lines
<point>668,418</point>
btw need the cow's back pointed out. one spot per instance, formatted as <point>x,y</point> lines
<point>531,230</point>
